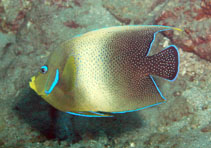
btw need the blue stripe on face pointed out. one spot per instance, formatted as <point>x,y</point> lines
<point>56,80</point>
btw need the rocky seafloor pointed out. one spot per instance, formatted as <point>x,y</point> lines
<point>31,29</point>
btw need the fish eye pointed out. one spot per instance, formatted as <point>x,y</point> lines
<point>44,69</point>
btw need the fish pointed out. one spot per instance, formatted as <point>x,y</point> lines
<point>107,71</point>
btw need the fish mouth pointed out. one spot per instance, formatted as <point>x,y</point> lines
<point>55,82</point>
<point>32,84</point>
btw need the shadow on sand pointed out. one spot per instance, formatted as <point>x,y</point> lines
<point>54,124</point>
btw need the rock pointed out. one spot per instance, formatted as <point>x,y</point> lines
<point>194,18</point>
<point>5,39</point>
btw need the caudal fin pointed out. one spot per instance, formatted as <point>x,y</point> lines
<point>166,63</point>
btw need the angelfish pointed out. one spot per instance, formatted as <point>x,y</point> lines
<point>107,71</point>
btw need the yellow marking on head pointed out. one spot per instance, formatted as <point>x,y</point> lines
<point>73,68</point>
<point>69,73</point>
<point>72,63</point>
<point>32,84</point>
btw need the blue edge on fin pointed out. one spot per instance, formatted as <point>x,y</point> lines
<point>78,114</point>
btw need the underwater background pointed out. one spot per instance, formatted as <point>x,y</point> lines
<point>31,29</point>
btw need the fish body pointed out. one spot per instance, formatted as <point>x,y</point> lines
<point>106,71</point>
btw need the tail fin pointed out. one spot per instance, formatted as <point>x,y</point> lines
<point>166,63</point>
